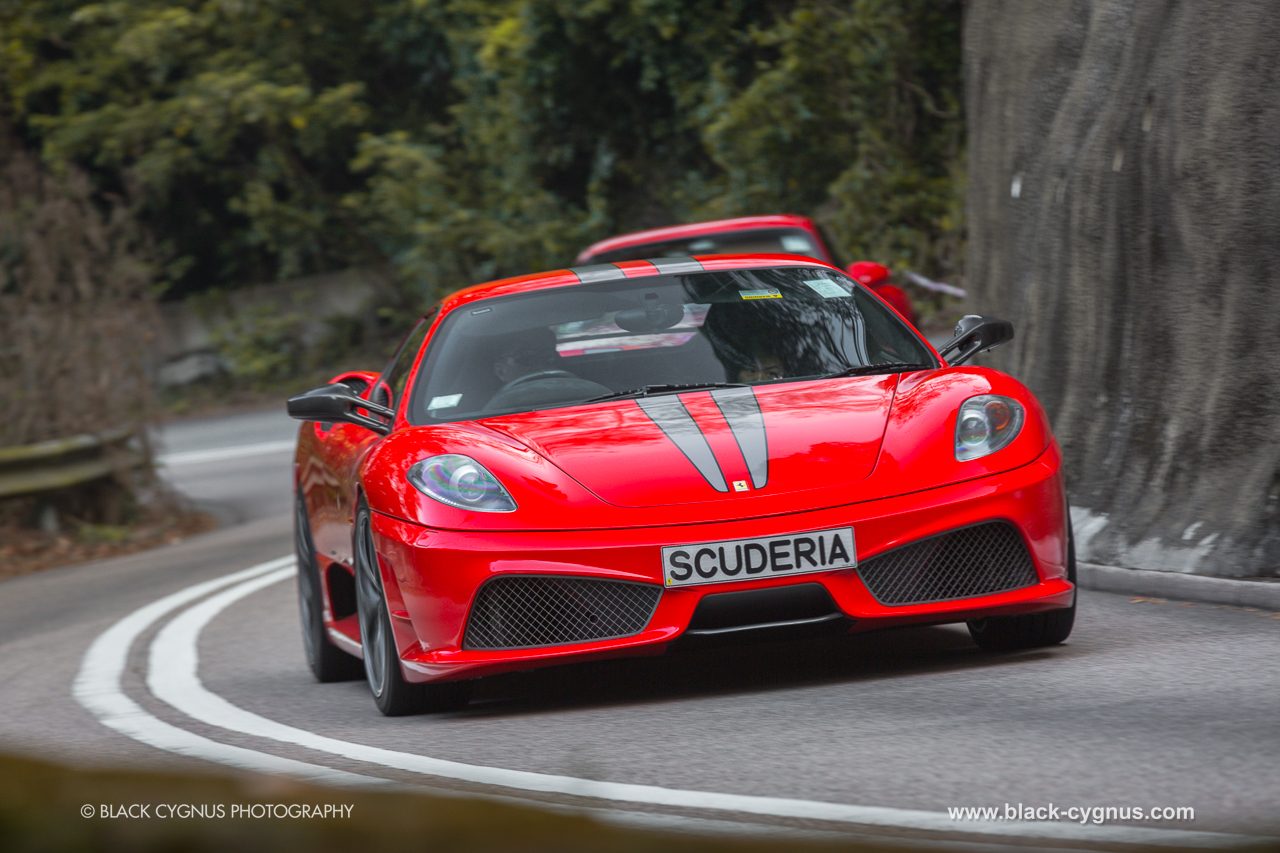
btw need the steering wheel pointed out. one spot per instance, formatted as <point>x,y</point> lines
<point>537,376</point>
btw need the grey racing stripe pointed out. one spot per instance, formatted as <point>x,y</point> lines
<point>673,266</point>
<point>596,272</point>
<point>742,412</point>
<point>674,419</point>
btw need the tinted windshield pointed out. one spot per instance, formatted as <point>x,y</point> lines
<point>567,345</point>
<point>792,241</point>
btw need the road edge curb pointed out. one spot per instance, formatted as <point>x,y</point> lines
<point>1184,587</point>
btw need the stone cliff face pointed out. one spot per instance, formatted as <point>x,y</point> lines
<point>1124,211</point>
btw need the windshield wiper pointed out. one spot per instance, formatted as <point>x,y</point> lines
<point>667,388</point>
<point>872,369</point>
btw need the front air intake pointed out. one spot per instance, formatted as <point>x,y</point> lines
<point>979,560</point>
<point>526,611</point>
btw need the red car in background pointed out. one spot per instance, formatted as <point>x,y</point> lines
<point>784,232</point>
<point>610,459</point>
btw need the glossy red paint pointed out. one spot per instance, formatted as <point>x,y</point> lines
<point>437,572</point>
<point>873,452</point>
<point>632,269</point>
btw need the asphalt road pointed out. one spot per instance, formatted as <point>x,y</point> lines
<point>1150,703</point>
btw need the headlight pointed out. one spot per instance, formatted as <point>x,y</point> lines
<point>986,424</point>
<point>460,481</point>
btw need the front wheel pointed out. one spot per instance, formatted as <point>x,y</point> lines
<point>1034,630</point>
<point>394,696</point>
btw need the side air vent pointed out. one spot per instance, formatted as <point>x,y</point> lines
<point>979,560</point>
<point>526,611</point>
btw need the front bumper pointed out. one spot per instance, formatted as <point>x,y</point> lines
<point>432,576</point>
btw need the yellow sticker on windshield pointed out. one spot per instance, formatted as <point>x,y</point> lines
<point>763,293</point>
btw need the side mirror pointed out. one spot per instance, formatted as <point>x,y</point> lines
<point>330,403</point>
<point>975,334</point>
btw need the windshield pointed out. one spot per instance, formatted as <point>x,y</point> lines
<point>635,337</point>
<point>792,241</point>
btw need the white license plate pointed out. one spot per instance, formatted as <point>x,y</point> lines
<point>766,557</point>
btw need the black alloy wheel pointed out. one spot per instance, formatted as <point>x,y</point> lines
<point>393,695</point>
<point>326,661</point>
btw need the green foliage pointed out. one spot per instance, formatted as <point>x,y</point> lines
<point>858,118</point>
<point>462,140</point>
<point>264,345</point>
<point>107,534</point>
<point>268,347</point>
<point>236,120</point>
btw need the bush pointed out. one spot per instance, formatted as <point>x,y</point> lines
<point>77,305</point>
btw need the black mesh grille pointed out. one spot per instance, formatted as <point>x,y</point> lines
<point>525,611</point>
<point>977,560</point>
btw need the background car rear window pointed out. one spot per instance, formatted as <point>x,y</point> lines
<point>793,241</point>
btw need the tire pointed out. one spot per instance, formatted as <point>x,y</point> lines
<point>394,696</point>
<point>327,662</point>
<point>1034,630</point>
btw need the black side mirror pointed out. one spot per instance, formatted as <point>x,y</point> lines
<point>975,334</point>
<point>330,403</point>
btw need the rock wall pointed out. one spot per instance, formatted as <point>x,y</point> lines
<point>1124,211</point>
<point>187,349</point>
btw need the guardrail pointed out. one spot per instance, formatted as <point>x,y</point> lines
<point>61,463</point>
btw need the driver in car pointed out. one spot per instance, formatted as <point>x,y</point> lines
<point>529,367</point>
<point>765,365</point>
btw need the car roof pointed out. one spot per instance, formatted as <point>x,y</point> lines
<point>696,229</point>
<point>620,270</point>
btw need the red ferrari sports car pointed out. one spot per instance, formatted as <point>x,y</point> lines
<point>610,459</point>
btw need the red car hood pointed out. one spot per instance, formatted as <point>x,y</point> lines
<point>736,445</point>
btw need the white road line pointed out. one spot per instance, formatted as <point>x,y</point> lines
<point>172,676</point>
<point>98,688</point>
<point>220,454</point>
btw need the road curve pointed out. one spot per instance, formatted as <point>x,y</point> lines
<point>1150,703</point>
